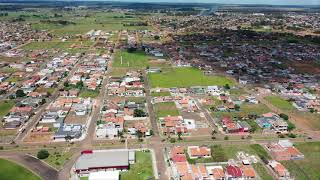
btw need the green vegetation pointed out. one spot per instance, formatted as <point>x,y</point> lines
<point>136,59</point>
<point>186,77</point>
<point>246,111</point>
<point>260,151</point>
<point>43,154</point>
<point>166,108</point>
<point>79,46</point>
<point>10,170</point>
<point>261,170</point>
<point>5,107</point>
<point>58,159</point>
<point>89,93</point>
<point>142,169</point>
<point>307,168</point>
<point>280,103</point>
<point>159,94</point>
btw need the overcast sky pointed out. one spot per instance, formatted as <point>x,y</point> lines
<point>273,2</point>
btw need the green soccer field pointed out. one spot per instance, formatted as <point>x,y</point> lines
<point>186,77</point>
<point>10,170</point>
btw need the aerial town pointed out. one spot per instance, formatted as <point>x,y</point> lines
<point>139,91</point>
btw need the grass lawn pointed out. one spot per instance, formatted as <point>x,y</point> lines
<point>245,110</point>
<point>118,72</point>
<point>280,103</point>
<point>260,151</point>
<point>307,168</point>
<point>57,159</point>
<point>5,107</point>
<point>59,45</point>
<point>186,77</point>
<point>10,170</point>
<point>89,93</point>
<point>137,59</point>
<point>166,108</point>
<point>312,118</point>
<point>141,170</point>
<point>159,94</point>
<point>262,171</point>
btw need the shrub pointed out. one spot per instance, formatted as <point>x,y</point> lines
<point>226,138</point>
<point>43,154</point>
<point>284,116</point>
<point>172,140</point>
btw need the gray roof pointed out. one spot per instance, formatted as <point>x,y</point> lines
<point>103,158</point>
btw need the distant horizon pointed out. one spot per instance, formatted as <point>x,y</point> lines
<point>231,2</point>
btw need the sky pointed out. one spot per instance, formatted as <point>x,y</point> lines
<point>269,2</point>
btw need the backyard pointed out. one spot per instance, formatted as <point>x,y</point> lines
<point>186,77</point>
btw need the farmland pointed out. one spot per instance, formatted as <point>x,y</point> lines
<point>186,77</point>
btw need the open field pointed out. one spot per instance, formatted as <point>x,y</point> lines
<point>59,45</point>
<point>280,103</point>
<point>166,108</point>
<point>313,119</point>
<point>141,170</point>
<point>89,93</point>
<point>307,168</point>
<point>245,110</point>
<point>159,94</point>
<point>58,158</point>
<point>186,77</point>
<point>137,59</point>
<point>5,107</point>
<point>10,170</point>
<point>262,171</point>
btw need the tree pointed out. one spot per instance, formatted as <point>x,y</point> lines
<point>139,113</point>
<point>226,138</point>
<point>237,107</point>
<point>139,134</point>
<point>291,126</point>
<point>43,154</point>
<point>79,85</point>
<point>20,93</point>
<point>227,86</point>
<point>172,140</point>
<point>179,135</point>
<point>68,138</point>
<point>156,37</point>
<point>284,116</point>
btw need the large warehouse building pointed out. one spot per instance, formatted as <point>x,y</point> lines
<point>104,160</point>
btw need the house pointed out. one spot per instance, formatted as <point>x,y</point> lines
<point>233,172</point>
<point>279,169</point>
<point>199,152</point>
<point>72,130</point>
